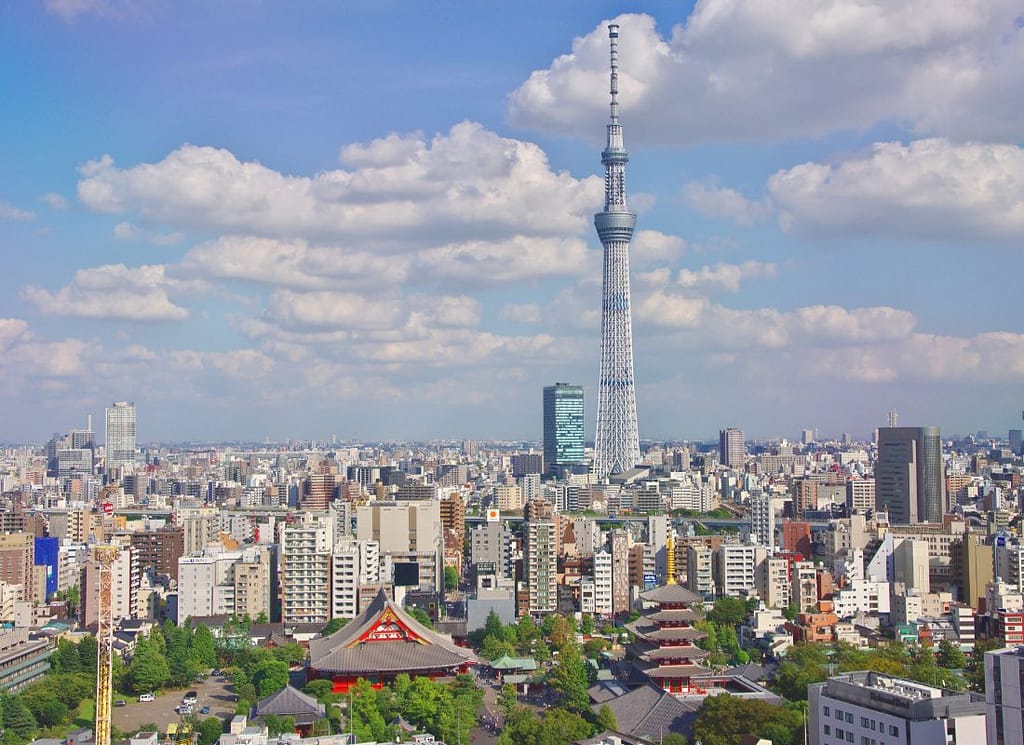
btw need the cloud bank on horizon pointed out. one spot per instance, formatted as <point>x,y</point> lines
<point>430,284</point>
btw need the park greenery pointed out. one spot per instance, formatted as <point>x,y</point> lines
<point>446,710</point>
<point>944,666</point>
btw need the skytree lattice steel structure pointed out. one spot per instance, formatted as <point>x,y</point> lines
<point>617,444</point>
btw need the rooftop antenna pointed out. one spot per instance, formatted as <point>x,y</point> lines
<point>893,416</point>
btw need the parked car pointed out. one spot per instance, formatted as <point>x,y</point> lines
<point>205,710</point>
<point>147,698</point>
<point>120,702</point>
<point>216,671</point>
<point>190,698</point>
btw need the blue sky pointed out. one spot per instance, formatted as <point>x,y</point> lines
<point>373,219</point>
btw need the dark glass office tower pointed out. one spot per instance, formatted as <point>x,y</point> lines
<point>909,480</point>
<point>563,428</point>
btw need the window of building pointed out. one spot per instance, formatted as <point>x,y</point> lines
<point>828,729</point>
<point>894,730</point>
<point>829,711</point>
<point>849,717</point>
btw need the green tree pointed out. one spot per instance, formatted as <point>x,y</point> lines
<point>975,671</point>
<point>508,700</point>
<point>728,643</point>
<point>65,658</point>
<point>592,648</point>
<point>950,657</point>
<point>606,718</point>
<point>333,625</point>
<point>210,730</point>
<point>570,679</point>
<point>724,719</point>
<point>261,617</point>
<point>525,634</point>
<point>495,647</point>
<point>421,615</point>
<point>16,717</point>
<point>290,654</point>
<point>269,677</point>
<point>587,624</point>
<point>87,651</point>
<point>176,644</point>
<point>728,612</point>
<point>451,578</point>
<point>319,689</point>
<point>554,727</point>
<point>148,670</point>
<point>158,640</point>
<point>51,713</point>
<point>277,725</point>
<point>559,632</point>
<point>674,738</point>
<point>202,648</point>
<point>804,664</point>
<point>366,720</point>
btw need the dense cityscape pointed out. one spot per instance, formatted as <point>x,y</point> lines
<point>585,585</point>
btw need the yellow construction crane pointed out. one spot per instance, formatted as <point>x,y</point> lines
<point>105,556</point>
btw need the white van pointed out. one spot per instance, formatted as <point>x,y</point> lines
<point>147,698</point>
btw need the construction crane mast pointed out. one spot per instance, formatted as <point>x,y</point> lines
<point>105,556</point>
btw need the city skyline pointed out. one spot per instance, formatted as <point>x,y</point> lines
<point>377,224</point>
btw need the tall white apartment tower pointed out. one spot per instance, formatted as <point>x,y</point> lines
<point>762,519</point>
<point>305,569</point>
<point>120,435</point>
<point>617,444</point>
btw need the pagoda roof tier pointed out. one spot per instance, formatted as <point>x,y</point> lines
<point>385,639</point>
<point>671,594</point>
<point>671,655</point>
<point>685,634</point>
<point>677,615</point>
<point>654,633</point>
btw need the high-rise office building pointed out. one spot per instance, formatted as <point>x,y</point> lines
<point>909,481</point>
<point>1016,440</point>
<point>1004,695</point>
<point>120,435</point>
<point>617,444</point>
<point>731,450</point>
<point>563,428</point>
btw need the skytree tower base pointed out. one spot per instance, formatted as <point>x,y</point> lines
<point>617,444</point>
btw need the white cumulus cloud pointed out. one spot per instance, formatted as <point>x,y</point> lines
<point>927,188</point>
<point>113,291</point>
<point>468,182</point>
<point>741,70</point>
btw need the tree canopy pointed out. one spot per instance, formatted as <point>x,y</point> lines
<point>724,719</point>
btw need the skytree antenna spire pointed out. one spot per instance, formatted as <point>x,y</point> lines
<point>617,444</point>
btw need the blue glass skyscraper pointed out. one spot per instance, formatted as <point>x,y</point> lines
<point>563,428</point>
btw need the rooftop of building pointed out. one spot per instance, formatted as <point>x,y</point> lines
<point>901,697</point>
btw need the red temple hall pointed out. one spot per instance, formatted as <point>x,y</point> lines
<point>382,642</point>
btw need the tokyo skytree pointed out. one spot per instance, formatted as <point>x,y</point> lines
<point>617,444</point>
